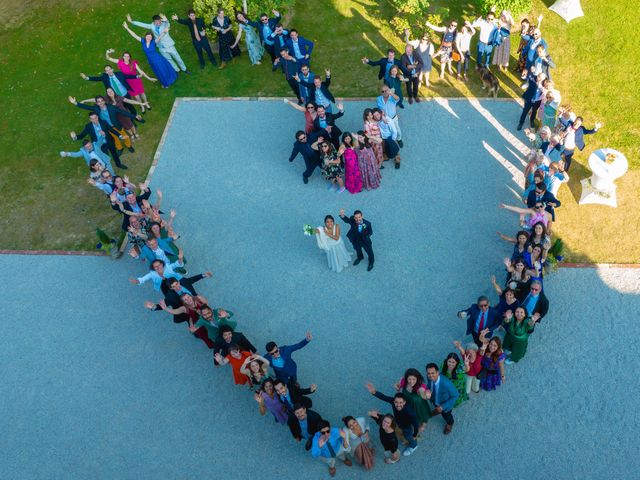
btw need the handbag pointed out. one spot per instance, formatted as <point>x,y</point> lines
<point>455,56</point>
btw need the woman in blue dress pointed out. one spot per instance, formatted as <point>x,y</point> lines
<point>254,47</point>
<point>160,66</point>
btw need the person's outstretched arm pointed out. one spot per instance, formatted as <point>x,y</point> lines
<point>131,32</point>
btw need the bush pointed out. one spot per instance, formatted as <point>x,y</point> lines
<point>516,7</point>
<point>208,9</point>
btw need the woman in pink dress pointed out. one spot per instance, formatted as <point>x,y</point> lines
<point>367,161</point>
<point>372,130</point>
<point>352,176</point>
<point>131,67</point>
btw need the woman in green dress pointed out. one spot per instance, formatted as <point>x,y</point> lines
<point>415,391</point>
<point>254,47</point>
<point>394,80</point>
<point>212,319</point>
<point>455,371</point>
<point>518,330</point>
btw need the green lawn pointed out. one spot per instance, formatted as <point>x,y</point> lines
<point>48,205</point>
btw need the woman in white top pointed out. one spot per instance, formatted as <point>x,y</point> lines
<point>329,240</point>
<point>463,47</point>
<point>357,433</point>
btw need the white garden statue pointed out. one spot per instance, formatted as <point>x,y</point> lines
<point>567,9</point>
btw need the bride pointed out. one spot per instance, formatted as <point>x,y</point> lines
<point>329,240</point>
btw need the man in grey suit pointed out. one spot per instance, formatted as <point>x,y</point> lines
<point>443,395</point>
<point>166,45</point>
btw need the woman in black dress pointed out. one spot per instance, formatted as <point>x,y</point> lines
<point>222,25</point>
<point>388,436</point>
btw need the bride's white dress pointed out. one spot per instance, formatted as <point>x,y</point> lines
<point>337,255</point>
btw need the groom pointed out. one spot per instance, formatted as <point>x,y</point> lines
<point>360,236</point>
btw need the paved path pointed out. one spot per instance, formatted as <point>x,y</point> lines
<point>93,386</point>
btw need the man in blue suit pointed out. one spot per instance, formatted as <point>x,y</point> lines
<point>552,149</point>
<point>299,47</point>
<point>480,316</point>
<point>443,395</point>
<point>265,27</point>
<point>280,359</point>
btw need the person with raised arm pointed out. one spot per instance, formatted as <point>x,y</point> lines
<point>161,67</point>
<point>128,66</point>
<point>198,32</point>
<point>159,28</point>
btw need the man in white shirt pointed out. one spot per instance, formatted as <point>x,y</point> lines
<point>486,26</point>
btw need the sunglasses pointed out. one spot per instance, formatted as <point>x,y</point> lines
<point>484,305</point>
<point>311,108</point>
<point>325,432</point>
<point>276,350</point>
<point>538,207</point>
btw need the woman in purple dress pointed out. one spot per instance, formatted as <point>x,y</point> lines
<point>492,374</point>
<point>268,400</point>
<point>352,176</point>
<point>160,66</point>
<point>367,161</point>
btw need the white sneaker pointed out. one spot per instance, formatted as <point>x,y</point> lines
<point>508,361</point>
<point>408,451</point>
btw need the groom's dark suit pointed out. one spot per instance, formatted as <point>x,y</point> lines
<point>360,238</point>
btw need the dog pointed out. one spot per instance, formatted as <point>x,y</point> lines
<point>489,80</point>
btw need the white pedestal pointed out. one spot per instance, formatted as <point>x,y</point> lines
<point>567,9</point>
<point>599,188</point>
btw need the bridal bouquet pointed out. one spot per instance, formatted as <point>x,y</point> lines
<point>308,229</point>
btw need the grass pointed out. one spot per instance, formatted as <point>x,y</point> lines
<point>48,205</point>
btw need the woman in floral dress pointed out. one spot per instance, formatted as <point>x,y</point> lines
<point>254,47</point>
<point>368,164</point>
<point>492,374</point>
<point>331,165</point>
<point>352,175</point>
<point>372,129</point>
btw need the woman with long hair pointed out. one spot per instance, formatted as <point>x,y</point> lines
<point>388,437</point>
<point>372,129</point>
<point>357,433</point>
<point>331,165</point>
<point>268,400</point>
<point>309,111</point>
<point>160,66</point>
<point>520,243</point>
<point>256,368</point>
<point>492,374</point>
<point>367,161</point>
<point>518,326</point>
<point>254,46</point>
<point>394,80</point>
<point>329,240</point>
<point>352,175</point>
<point>226,47</point>
<point>415,391</point>
<point>508,299</point>
<point>128,66</point>
<point>455,371</point>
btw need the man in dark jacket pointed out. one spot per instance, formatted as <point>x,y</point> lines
<point>359,235</point>
<point>412,63</point>
<point>535,301</point>
<point>310,156</point>
<point>385,64</point>
<point>198,33</point>
<point>291,394</point>
<point>226,339</point>
<point>479,316</point>
<point>540,194</point>
<point>325,122</point>
<point>303,424</point>
<point>281,361</point>
<point>116,81</point>
<point>319,91</point>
